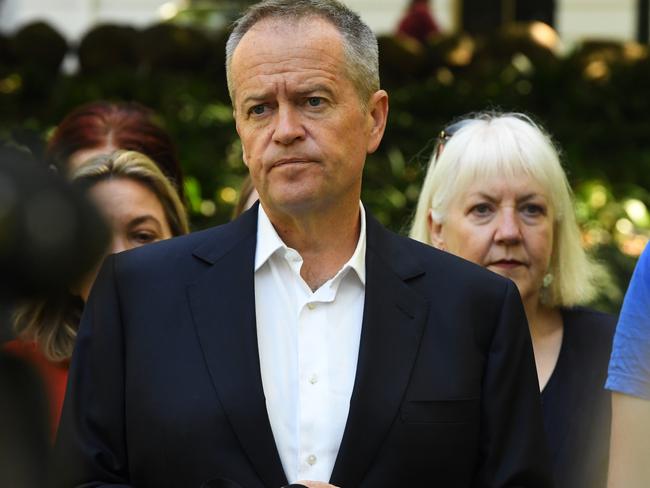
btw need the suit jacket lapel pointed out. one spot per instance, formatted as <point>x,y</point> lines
<point>223,308</point>
<point>394,318</point>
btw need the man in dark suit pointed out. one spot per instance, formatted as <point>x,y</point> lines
<point>302,342</point>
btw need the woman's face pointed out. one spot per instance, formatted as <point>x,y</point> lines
<point>505,225</point>
<point>134,214</point>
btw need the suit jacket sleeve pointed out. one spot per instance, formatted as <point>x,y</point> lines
<point>513,443</point>
<point>91,450</point>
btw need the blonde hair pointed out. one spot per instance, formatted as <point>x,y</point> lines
<point>491,145</point>
<point>53,322</point>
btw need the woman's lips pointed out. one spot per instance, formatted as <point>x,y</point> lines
<point>506,263</point>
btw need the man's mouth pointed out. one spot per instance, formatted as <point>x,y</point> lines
<point>290,161</point>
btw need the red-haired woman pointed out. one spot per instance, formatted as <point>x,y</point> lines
<point>102,127</point>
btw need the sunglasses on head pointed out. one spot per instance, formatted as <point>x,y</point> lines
<point>447,133</point>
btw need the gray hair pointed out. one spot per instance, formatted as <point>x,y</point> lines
<point>359,42</point>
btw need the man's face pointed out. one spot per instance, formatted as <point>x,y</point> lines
<point>304,131</point>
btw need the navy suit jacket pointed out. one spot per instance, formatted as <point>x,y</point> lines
<point>165,387</point>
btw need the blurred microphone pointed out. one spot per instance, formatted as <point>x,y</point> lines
<point>50,235</point>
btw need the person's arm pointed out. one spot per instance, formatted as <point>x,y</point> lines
<point>629,460</point>
<point>513,444</point>
<point>629,380</point>
<point>91,447</point>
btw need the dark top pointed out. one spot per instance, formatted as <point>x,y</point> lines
<point>576,407</point>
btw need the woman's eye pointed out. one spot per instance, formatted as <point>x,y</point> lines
<point>481,209</point>
<point>143,237</point>
<point>533,209</point>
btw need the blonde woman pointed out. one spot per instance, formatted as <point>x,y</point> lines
<point>141,206</point>
<point>495,193</point>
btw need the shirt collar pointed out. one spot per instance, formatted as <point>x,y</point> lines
<point>268,242</point>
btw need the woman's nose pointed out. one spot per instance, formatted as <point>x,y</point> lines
<point>508,227</point>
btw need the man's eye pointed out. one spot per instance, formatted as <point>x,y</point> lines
<point>258,109</point>
<point>314,101</point>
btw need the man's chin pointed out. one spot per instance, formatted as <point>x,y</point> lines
<point>293,202</point>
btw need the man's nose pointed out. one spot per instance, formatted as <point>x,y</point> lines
<point>288,126</point>
<point>508,229</point>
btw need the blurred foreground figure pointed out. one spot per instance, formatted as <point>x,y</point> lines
<point>496,194</point>
<point>629,380</point>
<point>141,206</point>
<point>49,236</point>
<point>302,342</point>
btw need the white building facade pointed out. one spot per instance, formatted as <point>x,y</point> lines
<point>576,19</point>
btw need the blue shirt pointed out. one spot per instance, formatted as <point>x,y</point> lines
<point>629,366</point>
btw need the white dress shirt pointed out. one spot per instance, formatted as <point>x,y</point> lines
<point>308,346</point>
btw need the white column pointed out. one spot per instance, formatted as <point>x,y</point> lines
<point>596,19</point>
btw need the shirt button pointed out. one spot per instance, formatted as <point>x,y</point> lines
<point>311,460</point>
<point>311,306</point>
<point>313,379</point>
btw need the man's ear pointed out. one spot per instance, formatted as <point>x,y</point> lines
<point>377,115</point>
<point>435,231</point>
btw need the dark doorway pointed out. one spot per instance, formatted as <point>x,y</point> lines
<point>480,16</point>
<point>542,10</point>
<point>643,19</point>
